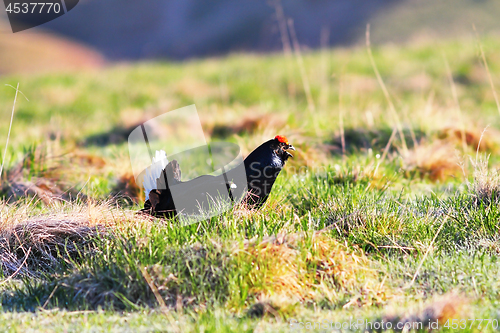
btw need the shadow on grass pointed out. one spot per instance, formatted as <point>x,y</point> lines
<point>117,135</point>
<point>183,277</point>
<point>360,139</point>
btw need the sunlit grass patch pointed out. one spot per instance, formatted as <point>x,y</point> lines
<point>292,269</point>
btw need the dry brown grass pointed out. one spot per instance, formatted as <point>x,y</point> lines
<point>84,159</point>
<point>475,139</point>
<point>41,244</point>
<point>126,187</point>
<point>436,161</point>
<point>253,121</point>
<point>31,242</point>
<point>38,174</point>
<point>485,187</point>
<point>48,173</point>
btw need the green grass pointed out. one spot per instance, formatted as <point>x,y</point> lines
<point>341,237</point>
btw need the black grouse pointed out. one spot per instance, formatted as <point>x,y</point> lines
<point>262,167</point>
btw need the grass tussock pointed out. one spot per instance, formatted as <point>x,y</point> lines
<point>31,244</point>
<point>41,173</point>
<point>41,245</point>
<point>437,161</point>
<point>126,188</point>
<point>485,188</point>
<point>289,269</point>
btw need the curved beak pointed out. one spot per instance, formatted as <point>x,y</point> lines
<point>290,147</point>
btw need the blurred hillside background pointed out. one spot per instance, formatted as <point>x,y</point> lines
<point>97,32</point>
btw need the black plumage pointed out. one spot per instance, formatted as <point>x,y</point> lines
<point>262,167</point>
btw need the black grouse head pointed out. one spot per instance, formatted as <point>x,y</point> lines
<point>271,154</point>
<point>263,166</point>
<point>280,146</point>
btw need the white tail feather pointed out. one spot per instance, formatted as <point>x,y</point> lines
<point>153,172</point>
